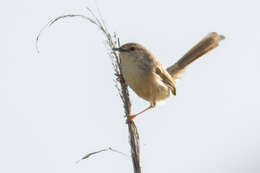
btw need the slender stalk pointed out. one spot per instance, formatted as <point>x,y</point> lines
<point>112,41</point>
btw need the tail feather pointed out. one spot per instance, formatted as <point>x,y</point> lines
<point>206,44</point>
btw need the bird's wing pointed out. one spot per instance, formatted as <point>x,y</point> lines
<point>166,78</point>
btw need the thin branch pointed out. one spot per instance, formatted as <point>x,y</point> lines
<point>97,152</point>
<point>51,22</point>
<point>93,153</point>
<point>112,41</point>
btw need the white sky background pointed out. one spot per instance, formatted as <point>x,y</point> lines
<point>60,104</point>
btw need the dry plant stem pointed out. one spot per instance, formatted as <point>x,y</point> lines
<point>97,152</point>
<point>112,41</point>
<point>134,142</point>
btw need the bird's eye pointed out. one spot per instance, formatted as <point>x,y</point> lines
<point>132,48</point>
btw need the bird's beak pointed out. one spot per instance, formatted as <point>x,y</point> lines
<point>116,49</point>
<point>120,49</point>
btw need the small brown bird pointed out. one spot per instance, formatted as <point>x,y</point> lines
<point>146,76</point>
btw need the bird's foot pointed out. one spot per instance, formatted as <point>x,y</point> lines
<point>130,118</point>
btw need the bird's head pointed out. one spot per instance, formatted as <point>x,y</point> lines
<point>134,50</point>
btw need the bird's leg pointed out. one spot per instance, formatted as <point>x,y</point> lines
<point>131,117</point>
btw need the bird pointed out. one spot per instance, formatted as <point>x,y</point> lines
<point>146,76</point>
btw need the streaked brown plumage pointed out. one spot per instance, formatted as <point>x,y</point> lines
<point>146,76</point>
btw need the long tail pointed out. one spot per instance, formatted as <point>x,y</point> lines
<point>206,44</point>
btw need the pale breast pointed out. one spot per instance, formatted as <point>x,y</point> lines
<point>141,78</point>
